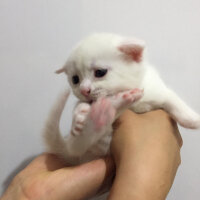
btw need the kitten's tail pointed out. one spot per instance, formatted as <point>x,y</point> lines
<point>51,133</point>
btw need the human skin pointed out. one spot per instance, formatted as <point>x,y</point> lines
<point>146,151</point>
<point>47,177</point>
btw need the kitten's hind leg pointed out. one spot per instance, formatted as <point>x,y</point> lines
<point>180,112</point>
<point>97,123</point>
<point>80,118</point>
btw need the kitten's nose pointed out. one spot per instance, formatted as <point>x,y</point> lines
<point>85,92</point>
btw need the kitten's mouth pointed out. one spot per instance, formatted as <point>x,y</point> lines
<point>89,100</point>
<point>93,99</point>
<point>98,93</point>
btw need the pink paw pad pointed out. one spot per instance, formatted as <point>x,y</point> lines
<point>102,113</point>
<point>132,95</point>
<point>80,116</point>
<point>124,99</point>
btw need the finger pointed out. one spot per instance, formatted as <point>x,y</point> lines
<point>82,181</point>
<point>148,146</point>
<point>135,130</point>
<point>45,162</point>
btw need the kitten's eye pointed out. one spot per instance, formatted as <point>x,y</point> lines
<point>100,72</point>
<point>75,79</point>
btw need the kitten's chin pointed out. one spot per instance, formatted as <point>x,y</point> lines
<point>92,98</point>
<point>90,101</point>
<point>87,100</point>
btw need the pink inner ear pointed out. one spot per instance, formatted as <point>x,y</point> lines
<point>134,51</point>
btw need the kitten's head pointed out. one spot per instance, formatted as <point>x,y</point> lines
<point>104,64</point>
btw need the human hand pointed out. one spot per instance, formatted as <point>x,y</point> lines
<point>46,177</point>
<point>146,150</point>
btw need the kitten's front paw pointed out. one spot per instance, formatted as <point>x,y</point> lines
<point>102,114</point>
<point>80,116</point>
<point>124,99</point>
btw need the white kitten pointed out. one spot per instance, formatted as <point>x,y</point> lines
<point>104,71</point>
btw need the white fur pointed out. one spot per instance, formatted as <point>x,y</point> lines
<point>128,68</point>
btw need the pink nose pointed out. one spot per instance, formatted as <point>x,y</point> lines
<point>85,92</point>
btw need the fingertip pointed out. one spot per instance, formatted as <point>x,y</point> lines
<point>92,176</point>
<point>100,166</point>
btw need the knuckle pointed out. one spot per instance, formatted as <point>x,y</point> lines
<point>29,187</point>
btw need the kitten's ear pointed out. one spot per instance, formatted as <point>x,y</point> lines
<point>61,70</point>
<point>132,49</point>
